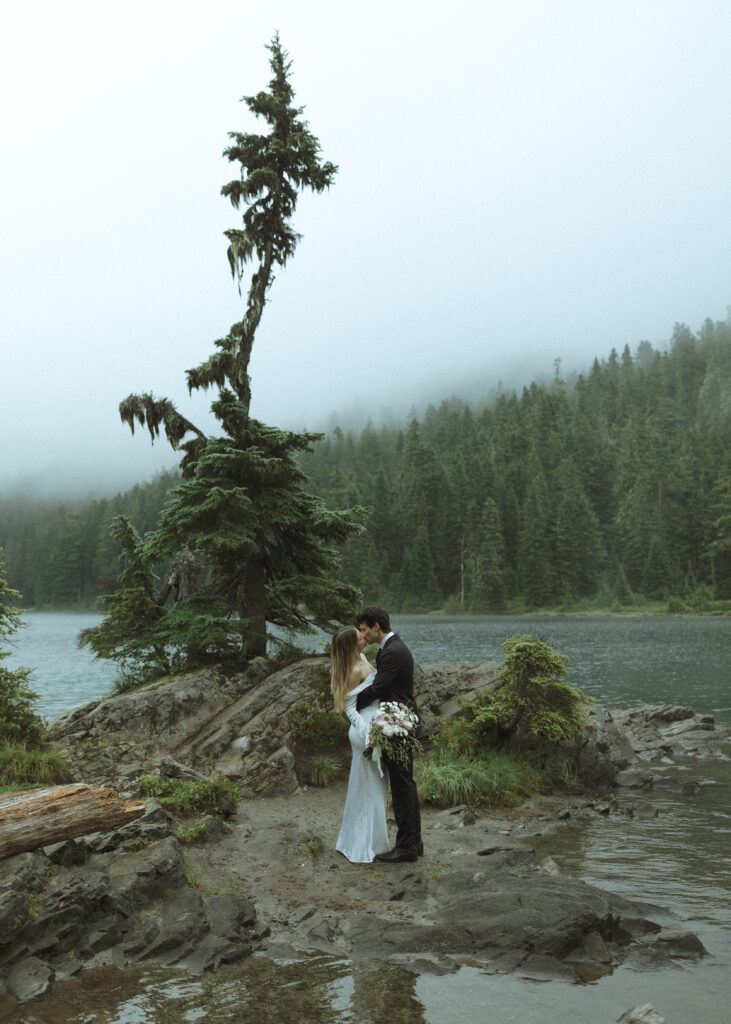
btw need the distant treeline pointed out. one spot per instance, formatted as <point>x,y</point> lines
<point>607,490</point>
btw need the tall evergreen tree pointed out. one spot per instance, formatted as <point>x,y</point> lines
<point>268,547</point>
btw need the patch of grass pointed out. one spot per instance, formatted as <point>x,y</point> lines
<point>495,778</point>
<point>33,766</point>
<point>189,873</point>
<point>325,770</point>
<point>193,833</point>
<point>34,905</point>
<point>182,796</point>
<point>315,846</point>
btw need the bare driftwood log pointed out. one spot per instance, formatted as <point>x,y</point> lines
<point>42,816</point>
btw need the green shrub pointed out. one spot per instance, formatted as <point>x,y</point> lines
<point>532,697</point>
<point>316,722</point>
<point>22,765</point>
<point>318,727</point>
<point>182,796</point>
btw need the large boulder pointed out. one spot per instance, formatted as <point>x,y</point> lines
<point>120,907</point>
<point>663,731</point>
<point>235,725</point>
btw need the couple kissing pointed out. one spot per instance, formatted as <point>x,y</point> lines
<point>358,690</point>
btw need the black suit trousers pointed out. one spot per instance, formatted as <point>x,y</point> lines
<point>405,804</point>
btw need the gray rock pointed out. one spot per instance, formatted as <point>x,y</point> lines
<point>642,809</point>
<point>634,778</point>
<point>545,968</point>
<point>169,768</point>
<point>183,924</point>
<point>71,851</point>
<point>141,876</point>
<point>29,980</point>
<point>20,876</point>
<point>456,817</point>
<point>641,1015</point>
<point>231,915</point>
<point>685,788</point>
<point>680,943</point>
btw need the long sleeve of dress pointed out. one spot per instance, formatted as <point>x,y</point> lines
<point>358,722</point>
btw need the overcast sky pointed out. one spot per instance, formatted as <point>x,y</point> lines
<point>517,183</point>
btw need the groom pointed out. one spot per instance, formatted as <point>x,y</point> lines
<point>394,681</point>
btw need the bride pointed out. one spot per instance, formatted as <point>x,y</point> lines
<point>363,833</point>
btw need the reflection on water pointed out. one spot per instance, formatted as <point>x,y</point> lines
<point>680,859</point>
<point>316,990</point>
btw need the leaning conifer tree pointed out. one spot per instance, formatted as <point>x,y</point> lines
<point>269,549</point>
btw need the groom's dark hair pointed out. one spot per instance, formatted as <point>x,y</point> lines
<point>372,615</point>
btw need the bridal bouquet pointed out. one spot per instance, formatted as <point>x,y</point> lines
<point>393,733</point>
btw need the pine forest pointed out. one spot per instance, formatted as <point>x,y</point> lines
<point>607,491</point>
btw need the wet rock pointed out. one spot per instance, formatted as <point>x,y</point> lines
<point>231,915</point>
<point>634,778</point>
<point>516,861</point>
<point>456,817</point>
<point>169,768</point>
<point>687,788</point>
<point>641,1015</point>
<point>680,943</point>
<point>592,949</point>
<point>660,731</point>
<point>549,866</point>
<point>156,823</point>
<point>545,968</point>
<point>183,923</point>
<point>29,980</point>
<point>215,829</point>
<point>642,809</point>
<point>494,843</point>
<point>71,851</point>
<point>21,877</point>
<point>144,875</point>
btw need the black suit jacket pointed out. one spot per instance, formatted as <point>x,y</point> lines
<point>394,676</point>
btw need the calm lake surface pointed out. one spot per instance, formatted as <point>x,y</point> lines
<point>681,859</point>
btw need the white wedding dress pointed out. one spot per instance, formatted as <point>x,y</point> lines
<point>363,832</point>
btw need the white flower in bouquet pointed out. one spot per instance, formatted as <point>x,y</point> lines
<point>393,733</point>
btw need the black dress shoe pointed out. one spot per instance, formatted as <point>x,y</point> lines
<point>398,853</point>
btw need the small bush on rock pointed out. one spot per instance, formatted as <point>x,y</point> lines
<point>532,697</point>
<point>182,796</point>
<point>316,722</point>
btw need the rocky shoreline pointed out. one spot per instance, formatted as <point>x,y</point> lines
<point>268,878</point>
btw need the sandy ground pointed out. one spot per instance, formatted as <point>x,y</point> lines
<point>281,853</point>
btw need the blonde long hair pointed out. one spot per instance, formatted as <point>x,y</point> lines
<point>344,654</point>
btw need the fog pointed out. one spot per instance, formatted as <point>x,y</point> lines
<point>517,184</point>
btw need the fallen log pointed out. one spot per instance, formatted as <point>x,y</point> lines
<point>37,817</point>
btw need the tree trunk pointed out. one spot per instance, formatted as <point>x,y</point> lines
<point>34,818</point>
<point>251,601</point>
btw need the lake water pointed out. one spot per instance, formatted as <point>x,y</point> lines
<point>679,859</point>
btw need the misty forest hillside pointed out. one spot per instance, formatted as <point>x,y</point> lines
<point>604,492</point>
